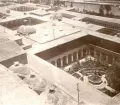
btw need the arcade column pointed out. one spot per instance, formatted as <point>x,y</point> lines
<point>66,59</point>
<point>56,63</point>
<point>95,54</point>
<point>89,52</point>
<point>106,58</point>
<point>72,57</point>
<point>61,62</point>
<point>113,61</point>
<point>77,56</point>
<point>100,56</point>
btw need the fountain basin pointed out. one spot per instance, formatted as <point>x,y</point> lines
<point>95,80</point>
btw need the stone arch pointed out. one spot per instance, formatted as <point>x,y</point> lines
<point>74,56</point>
<point>92,52</point>
<point>103,57</point>
<point>69,58</point>
<point>64,60</point>
<point>84,52</point>
<point>58,62</point>
<point>97,55</point>
<point>53,62</point>
<point>79,54</point>
<point>110,59</point>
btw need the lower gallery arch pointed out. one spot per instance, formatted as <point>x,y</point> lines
<point>74,56</point>
<point>97,55</point>
<point>64,61</point>
<point>69,58</point>
<point>103,57</point>
<point>79,54</point>
<point>92,52</point>
<point>53,62</point>
<point>110,59</point>
<point>84,52</point>
<point>59,62</point>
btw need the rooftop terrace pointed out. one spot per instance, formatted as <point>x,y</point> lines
<point>14,91</point>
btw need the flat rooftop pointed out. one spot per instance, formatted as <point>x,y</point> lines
<point>47,31</point>
<point>14,91</point>
<point>42,47</point>
<point>52,30</point>
<point>9,49</point>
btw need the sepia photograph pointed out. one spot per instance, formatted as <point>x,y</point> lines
<point>59,52</point>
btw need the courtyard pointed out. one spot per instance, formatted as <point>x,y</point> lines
<point>88,63</point>
<point>92,72</point>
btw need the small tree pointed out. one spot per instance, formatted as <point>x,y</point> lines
<point>112,73</point>
<point>76,66</point>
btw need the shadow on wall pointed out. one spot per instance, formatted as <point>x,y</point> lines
<point>21,58</point>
